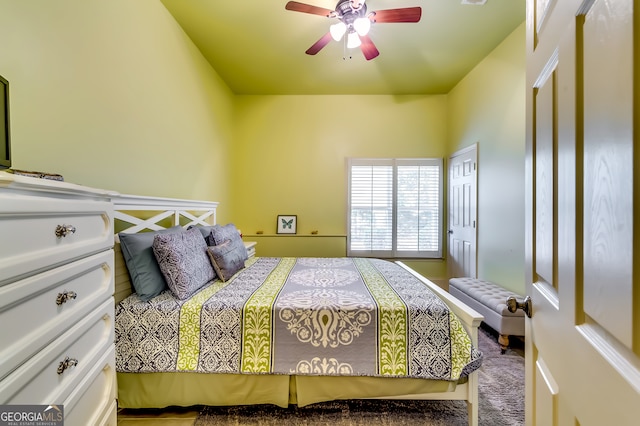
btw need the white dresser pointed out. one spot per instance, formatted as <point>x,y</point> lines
<point>56,298</point>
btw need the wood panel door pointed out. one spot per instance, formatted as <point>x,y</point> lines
<point>462,213</point>
<point>582,199</point>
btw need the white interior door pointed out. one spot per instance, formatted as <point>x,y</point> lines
<point>462,213</point>
<point>582,195</point>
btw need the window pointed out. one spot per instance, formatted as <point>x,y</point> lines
<point>395,207</point>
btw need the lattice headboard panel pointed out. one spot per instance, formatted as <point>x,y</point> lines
<point>135,213</point>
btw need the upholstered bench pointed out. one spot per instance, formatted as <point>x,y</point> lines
<point>490,300</point>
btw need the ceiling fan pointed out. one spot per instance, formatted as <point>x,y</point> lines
<point>355,22</point>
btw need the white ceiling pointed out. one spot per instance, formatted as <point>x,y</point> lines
<point>258,47</point>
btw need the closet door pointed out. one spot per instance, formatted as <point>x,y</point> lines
<point>462,259</point>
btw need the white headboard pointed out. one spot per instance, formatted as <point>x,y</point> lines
<point>133,211</point>
<point>125,207</point>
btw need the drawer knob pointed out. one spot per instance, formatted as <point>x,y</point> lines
<point>64,296</point>
<point>64,230</point>
<point>67,363</point>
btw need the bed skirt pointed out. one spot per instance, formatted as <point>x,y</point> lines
<point>148,390</point>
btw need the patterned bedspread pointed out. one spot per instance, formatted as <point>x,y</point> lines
<point>303,316</point>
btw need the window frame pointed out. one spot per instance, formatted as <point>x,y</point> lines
<point>394,253</point>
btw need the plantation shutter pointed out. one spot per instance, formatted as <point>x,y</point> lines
<point>395,207</point>
<point>372,207</point>
<point>418,208</point>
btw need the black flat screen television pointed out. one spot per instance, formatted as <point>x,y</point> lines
<point>5,146</point>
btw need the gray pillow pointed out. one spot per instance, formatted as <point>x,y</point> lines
<point>228,258</point>
<point>219,234</point>
<point>146,277</point>
<point>206,233</point>
<point>183,261</point>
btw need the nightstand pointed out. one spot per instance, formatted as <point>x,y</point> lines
<point>251,247</point>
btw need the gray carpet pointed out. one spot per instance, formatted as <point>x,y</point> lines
<point>501,388</point>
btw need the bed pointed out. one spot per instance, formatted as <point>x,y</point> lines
<point>271,332</point>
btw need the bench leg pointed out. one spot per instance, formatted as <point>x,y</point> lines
<point>503,341</point>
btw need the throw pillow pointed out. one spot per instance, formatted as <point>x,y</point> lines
<point>228,258</point>
<point>183,261</point>
<point>220,234</point>
<point>206,233</point>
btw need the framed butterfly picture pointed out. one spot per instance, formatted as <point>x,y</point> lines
<point>287,224</point>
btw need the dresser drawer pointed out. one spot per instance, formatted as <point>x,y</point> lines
<point>93,402</point>
<point>44,379</point>
<point>38,234</point>
<point>42,307</point>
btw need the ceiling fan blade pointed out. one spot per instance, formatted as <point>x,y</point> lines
<point>307,8</point>
<point>369,49</point>
<point>318,45</point>
<point>407,14</point>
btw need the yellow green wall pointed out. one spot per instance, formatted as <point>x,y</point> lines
<point>488,107</point>
<point>113,94</point>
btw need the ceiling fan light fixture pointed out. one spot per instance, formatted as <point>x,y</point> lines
<point>353,40</point>
<point>362,26</point>
<point>337,30</point>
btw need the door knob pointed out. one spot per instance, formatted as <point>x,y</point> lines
<point>526,305</point>
<point>450,231</point>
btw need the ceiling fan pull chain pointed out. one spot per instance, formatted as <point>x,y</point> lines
<point>345,49</point>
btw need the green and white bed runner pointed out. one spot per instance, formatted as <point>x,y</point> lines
<point>303,316</point>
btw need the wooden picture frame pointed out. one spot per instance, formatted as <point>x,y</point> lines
<point>287,224</point>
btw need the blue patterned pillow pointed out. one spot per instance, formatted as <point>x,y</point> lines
<point>228,258</point>
<point>183,261</point>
